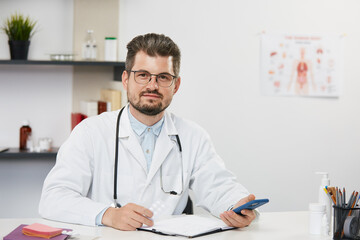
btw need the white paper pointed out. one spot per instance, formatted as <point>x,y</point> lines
<point>187,225</point>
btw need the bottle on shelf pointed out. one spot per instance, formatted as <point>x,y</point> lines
<point>89,48</point>
<point>110,49</point>
<point>25,135</point>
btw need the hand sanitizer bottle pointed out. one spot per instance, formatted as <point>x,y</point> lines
<point>323,197</point>
<point>325,229</point>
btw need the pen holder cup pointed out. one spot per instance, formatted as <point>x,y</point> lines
<point>346,223</point>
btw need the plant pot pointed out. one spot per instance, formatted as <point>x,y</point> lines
<point>19,49</point>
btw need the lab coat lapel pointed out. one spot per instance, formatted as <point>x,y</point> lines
<point>130,141</point>
<point>135,149</point>
<point>163,146</point>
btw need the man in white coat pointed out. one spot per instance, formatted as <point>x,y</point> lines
<point>160,156</point>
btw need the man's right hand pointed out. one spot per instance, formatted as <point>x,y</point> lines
<point>128,218</point>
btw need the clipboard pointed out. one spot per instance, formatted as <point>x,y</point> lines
<point>190,226</point>
<point>188,236</point>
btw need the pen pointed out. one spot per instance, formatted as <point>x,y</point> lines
<point>341,198</point>
<point>351,199</point>
<point>354,201</point>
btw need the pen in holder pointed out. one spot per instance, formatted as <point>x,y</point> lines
<point>346,222</point>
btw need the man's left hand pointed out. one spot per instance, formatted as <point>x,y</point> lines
<point>234,220</point>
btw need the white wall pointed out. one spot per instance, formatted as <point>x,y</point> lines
<point>41,94</point>
<point>20,186</point>
<point>273,144</point>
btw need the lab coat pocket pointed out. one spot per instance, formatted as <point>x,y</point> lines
<point>173,183</point>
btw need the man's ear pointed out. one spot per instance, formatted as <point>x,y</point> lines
<point>125,79</point>
<point>177,84</point>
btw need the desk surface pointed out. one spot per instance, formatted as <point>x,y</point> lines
<point>270,226</point>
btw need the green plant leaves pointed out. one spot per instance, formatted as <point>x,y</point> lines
<point>17,27</point>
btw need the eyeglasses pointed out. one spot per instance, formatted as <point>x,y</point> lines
<point>162,79</point>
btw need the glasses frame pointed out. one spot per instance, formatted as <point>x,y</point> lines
<point>156,77</point>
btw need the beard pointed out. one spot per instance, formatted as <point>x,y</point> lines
<point>150,108</point>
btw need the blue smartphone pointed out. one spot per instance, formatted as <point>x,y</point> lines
<point>251,205</point>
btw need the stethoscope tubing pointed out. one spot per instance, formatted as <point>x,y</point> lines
<point>116,157</point>
<point>116,204</point>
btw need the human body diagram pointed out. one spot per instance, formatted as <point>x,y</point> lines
<point>302,71</point>
<point>301,65</point>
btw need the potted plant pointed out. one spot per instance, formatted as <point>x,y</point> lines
<point>19,31</point>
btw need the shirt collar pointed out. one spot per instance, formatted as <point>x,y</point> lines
<point>139,128</point>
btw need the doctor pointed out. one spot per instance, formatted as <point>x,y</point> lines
<point>159,156</point>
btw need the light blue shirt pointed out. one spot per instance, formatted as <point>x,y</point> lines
<point>147,136</point>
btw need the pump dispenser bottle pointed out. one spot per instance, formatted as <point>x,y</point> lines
<point>323,198</point>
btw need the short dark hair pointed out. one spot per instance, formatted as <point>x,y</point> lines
<point>153,45</point>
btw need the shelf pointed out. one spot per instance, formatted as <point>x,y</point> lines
<point>16,153</point>
<point>119,67</point>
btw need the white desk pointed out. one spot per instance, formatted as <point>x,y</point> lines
<point>270,226</point>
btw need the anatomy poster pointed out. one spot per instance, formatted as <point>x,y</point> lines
<point>301,65</point>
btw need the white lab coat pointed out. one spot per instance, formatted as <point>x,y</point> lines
<point>81,183</point>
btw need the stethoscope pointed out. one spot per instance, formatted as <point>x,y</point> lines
<point>117,205</point>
